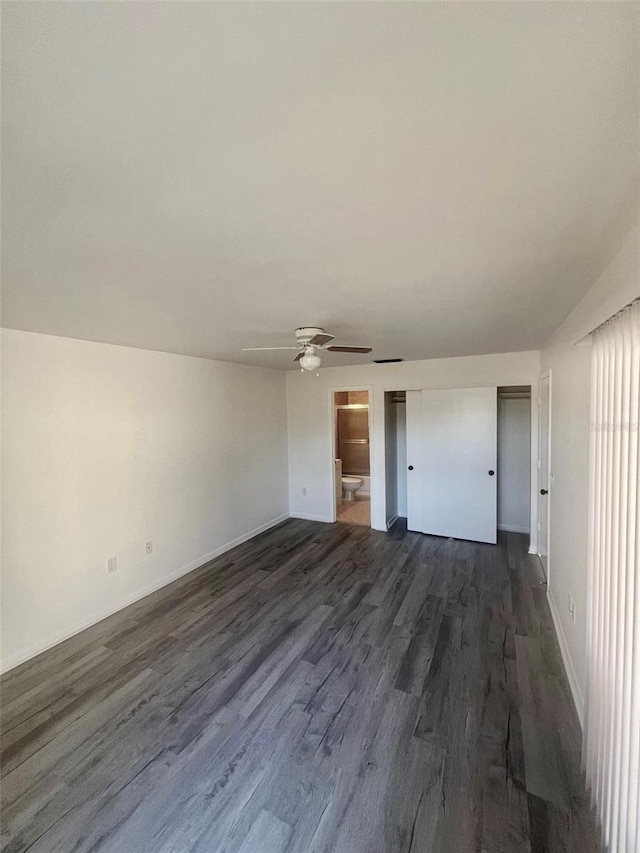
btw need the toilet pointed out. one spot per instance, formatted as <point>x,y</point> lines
<point>350,486</point>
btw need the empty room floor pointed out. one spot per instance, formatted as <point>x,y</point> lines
<point>319,689</point>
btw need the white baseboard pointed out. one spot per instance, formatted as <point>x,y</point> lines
<point>307,516</point>
<point>513,528</point>
<point>38,648</point>
<point>576,692</point>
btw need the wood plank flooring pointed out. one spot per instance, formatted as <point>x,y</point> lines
<point>319,689</point>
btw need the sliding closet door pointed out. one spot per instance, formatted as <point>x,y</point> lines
<point>451,460</point>
<point>415,491</point>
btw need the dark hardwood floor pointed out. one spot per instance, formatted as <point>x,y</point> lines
<point>319,689</point>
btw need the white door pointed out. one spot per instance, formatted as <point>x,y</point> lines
<point>543,477</point>
<point>451,462</point>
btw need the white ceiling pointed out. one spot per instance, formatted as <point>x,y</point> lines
<point>430,179</point>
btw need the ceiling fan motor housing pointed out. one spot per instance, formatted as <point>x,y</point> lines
<point>305,333</point>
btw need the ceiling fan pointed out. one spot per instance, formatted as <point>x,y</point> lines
<point>308,340</point>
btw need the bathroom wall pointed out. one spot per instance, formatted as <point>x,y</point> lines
<point>351,398</point>
<point>352,445</point>
<point>353,424</point>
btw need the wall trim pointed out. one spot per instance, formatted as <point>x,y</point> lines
<point>308,516</point>
<point>513,528</point>
<point>576,692</point>
<point>391,521</point>
<point>37,649</point>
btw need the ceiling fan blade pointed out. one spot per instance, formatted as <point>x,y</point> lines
<point>299,356</point>
<point>320,340</point>
<point>262,349</point>
<point>349,349</point>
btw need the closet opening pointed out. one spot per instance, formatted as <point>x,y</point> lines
<point>488,428</point>
<point>514,458</point>
<point>395,429</point>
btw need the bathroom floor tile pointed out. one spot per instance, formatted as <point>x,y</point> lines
<point>355,512</point>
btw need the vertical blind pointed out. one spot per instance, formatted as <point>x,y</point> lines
<point>612,728</point>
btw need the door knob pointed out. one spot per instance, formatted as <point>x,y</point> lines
<point>411,467</point>
<point>544,491</point>
<point>491,473</point>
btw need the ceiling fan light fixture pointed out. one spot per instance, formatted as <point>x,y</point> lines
<point>310,340</point>
<point>310,361</point>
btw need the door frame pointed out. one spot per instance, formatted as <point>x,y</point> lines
<point>332,432</point>
<point>377,439</point>
<point>534,383</point>
<point>546,506</point>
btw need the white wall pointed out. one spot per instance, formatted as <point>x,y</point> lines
<point>391,459</point>
<point>514,464</point>
<point>106,447</point>
<point>570,365</point>
<point>309,406</point>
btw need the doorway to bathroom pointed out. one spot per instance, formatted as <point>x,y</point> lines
<point>352,457</point>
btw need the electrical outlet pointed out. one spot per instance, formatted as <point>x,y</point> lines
<point>112,565</point>
<point>304,493</point>
<point>148,547</point>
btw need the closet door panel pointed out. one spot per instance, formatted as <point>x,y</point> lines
<point>453,444</point>
<point>415,502</point>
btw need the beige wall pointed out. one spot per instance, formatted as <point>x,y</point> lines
<point>107,447</point>
<point>310,412</point>
<point>570,367</point>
